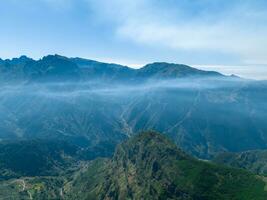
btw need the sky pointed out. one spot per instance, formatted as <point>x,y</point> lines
<point>228,35</point>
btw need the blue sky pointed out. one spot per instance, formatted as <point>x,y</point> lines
<point>135,32</point>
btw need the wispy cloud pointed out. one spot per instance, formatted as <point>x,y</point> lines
<point>236,27</point>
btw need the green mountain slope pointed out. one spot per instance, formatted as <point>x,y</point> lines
<point>149,166</point>
<point>38,188</point>
<point>254,161</point>
<point>36,158</point>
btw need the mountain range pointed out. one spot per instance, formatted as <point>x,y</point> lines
<point>70,129</point>
<point>59,68</point>
<point>97,105</point>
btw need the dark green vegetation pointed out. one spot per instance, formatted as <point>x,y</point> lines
<point>35,158</point>
<point>254,161</point>
<point>29,158</point>
<point>96,105</point>
<point>149,166</point>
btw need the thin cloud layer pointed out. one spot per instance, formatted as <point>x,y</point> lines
<point>237,27</point>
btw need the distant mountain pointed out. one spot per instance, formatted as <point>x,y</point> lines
<point>161,70</point>
<point>104,71</point>
<point>12,70</point>
<point>205,121</point>
<point>51,68</point>
<point>254,161</point>
<point>149,166</point>
<point>96,105</point>
<point>60,68</point>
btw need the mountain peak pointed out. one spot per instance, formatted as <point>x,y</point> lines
<point>154,142</point>
<point>52,67</point>
<point>171,70</point>
<point>54,57</point>
<point>21,59</point>
<point>24,58</point>
<point>162,65</point>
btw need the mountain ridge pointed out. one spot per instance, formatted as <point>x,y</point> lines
<point>150,166</point>
<point>57,66</point>
<point>59,104</point>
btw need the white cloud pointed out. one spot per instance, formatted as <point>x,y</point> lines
<point>240,29</point>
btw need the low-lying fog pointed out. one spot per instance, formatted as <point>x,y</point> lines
<point>75,89</point>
